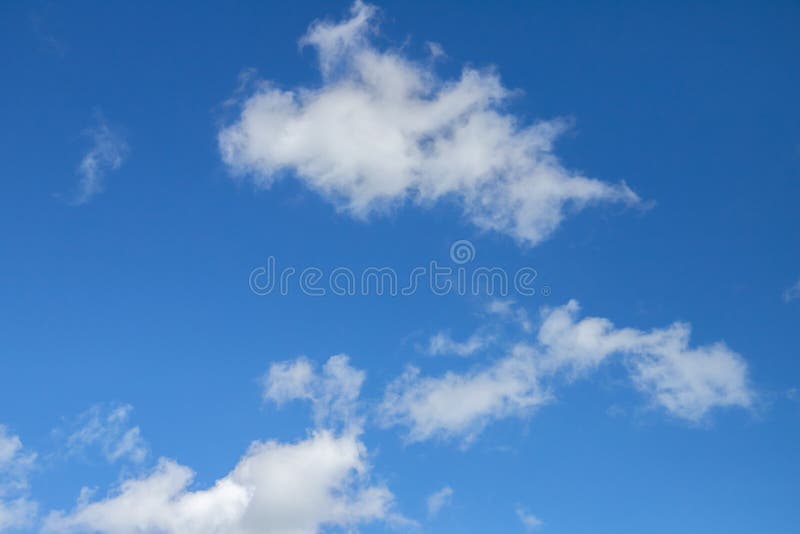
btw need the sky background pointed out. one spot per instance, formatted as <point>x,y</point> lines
<point>140,295</point>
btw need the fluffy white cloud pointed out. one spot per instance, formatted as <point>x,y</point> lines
<point>687,381</point>
<point>461,405</point>
<point>528,520</point>
<point>443,344</point>
<point>107,153</point>
<point>16,508</point>
<point>382,130</point>
<point>439,499</point>
<point>289,380</point>
<point>333,393</point>
<point>690,382</point>
<point>108,428</point>
<point>578,346</point>
<point>276,488</point>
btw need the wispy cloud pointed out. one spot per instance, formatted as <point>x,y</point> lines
<point>107,153</point>
<point>509,309</point>
<point>40,24</point>
<point>792,293</point>
<point>528,520</point>
<point>439,499</point>
<point>108,429</point>
<point>441,344</point>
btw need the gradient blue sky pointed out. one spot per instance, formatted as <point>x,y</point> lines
<point>135,300</point>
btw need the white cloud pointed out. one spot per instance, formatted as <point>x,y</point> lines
<point>579,345</point>
<point>528,520</point>
<point>690,382</point>
<point>792,293</point>
<point>17,513</point>
<point>10,445</point>
<point>509,309</point>
<point>289,380</point>
<point>17,510</point>
<point>382,130</point>
<point>275,488</point>
<point>687,381</point>
<point>439,499</point>
<point>107,153</point>
<point>333,393</point>
<point>443,344</point>
<point>108,428</point>
<point>461,405</point>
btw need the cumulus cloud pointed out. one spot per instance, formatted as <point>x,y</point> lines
<point>382,130</point>
<point>276,488</point>
<point>297,487</point>
<point>442,344</point>
<point>333,392</point>
<point>17,510</point>
<point>792,293</point>
<point>461,405</point>
<point>688,382</point>
<point>439,499</point>
<point>108,428</point>
<point>528,520</point>
<point>107,153</point>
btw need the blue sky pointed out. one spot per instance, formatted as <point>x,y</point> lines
<point>642,160</point>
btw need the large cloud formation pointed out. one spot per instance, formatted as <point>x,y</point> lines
<point>324,480</point>
<point>382,130</point>
<point>275,488</point>
<point>298,487</point>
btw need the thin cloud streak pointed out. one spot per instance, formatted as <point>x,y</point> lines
<point>106,154</point>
